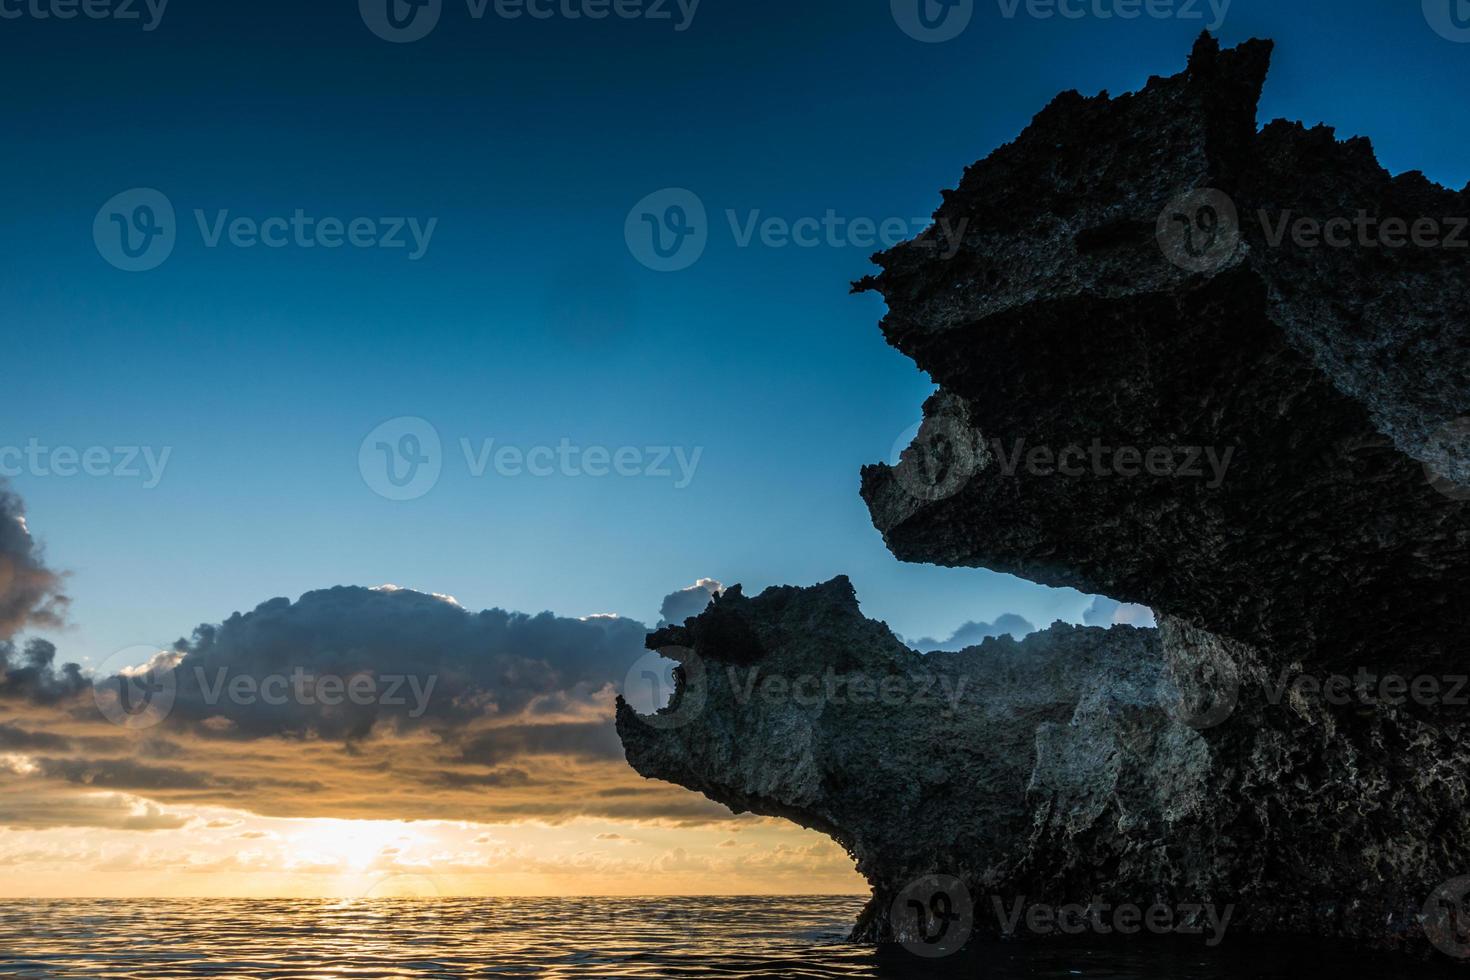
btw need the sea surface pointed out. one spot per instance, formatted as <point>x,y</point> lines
<point>561,937</point>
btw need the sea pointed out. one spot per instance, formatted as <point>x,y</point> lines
<point>697,938</point>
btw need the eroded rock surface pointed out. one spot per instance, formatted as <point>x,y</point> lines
<point>1118,286</point>
<point>1080,765</point>
<point>1332,376</point>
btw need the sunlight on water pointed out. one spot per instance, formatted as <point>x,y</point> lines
<point>562,938</point>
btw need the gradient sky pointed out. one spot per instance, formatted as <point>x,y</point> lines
<point>528,320</point>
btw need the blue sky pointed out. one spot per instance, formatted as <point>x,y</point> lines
<point>527,319</point>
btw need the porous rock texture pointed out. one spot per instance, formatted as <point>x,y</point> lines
<point>1180,765</point>
<point>1333,376</point>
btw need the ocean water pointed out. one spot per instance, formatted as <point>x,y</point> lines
<point>560,937</point>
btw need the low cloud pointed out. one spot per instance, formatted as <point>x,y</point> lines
<point>30,592</point>
<point>972,633</point>
<point>485,716</point>
<point>681,605</point>
<point>1110,612</point>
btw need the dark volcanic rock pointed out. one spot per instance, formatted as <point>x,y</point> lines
<point>1331,376</point>
<point>1066,768</point>
<point>1270,451</point>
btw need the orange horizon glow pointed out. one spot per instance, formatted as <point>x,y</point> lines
<point>227,854</point>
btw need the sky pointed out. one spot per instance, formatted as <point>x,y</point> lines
<point>469,372</point>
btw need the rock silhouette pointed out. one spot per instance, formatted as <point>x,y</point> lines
<point>1157,383</point>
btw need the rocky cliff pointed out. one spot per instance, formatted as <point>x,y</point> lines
<point>1159,383</point>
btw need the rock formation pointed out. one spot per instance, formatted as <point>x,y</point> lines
<point>1156,385</point>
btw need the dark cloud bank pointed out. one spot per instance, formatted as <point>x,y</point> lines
<point>347,702</point>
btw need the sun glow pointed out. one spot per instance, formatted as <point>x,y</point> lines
<point>353,845</point>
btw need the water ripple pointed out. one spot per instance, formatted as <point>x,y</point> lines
<point>550,939</point>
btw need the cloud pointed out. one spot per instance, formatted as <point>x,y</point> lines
<point>1110,612</point>
<point>30,592</point>
<point>484,716</point>
<point>30,674</point>
<point>27,800</point>
<point>681,605</point>
<point>972,633</point>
